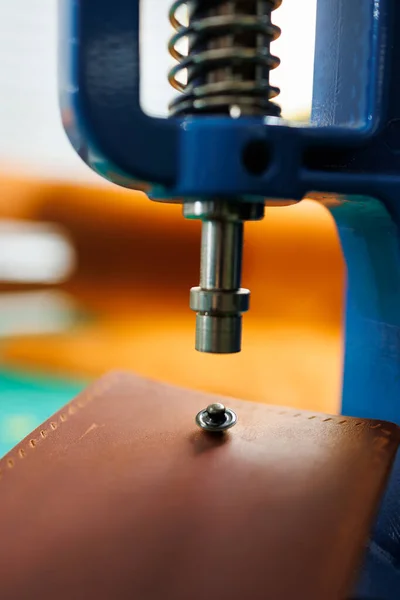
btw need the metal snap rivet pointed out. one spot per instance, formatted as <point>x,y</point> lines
<point>216,417</point>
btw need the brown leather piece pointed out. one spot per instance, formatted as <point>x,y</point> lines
<point>120,496</point>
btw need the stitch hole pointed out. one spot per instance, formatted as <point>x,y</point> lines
<point>376,426</point>
<point>380,442</point>
<point>326,420</point>
<point>297,415</point>
<point>342,422</point>
<point>386,432</point>
<point>63,417</point>
<point>53,425</point>
<point>32,443</point>
<point>22,453</point>
<point>10,463</point>
<point>43,433</point>
<point>72,409</point>
<point>358,424</point>
<point>312,417</point>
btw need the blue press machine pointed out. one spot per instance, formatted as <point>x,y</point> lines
<point>225,146</point>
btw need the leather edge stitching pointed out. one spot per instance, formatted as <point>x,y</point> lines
<point>8,462</point>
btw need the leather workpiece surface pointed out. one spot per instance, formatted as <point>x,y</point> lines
<point>119,495</point>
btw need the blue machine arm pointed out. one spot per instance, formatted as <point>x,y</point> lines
<point>101,90</point>
<point>349,159</point>
<point>369,234</point>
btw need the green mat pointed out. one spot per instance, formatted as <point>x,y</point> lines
<point>28,400</point>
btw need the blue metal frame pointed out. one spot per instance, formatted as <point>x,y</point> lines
<point>350,155</point>
<point>368,227</point>
<point>369,234</point>
<point>192,156</point>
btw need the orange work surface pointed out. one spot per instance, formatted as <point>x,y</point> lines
<point>136,262</point>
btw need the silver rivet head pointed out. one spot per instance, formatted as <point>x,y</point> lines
<point>216,412</point>
<point>216,417</point>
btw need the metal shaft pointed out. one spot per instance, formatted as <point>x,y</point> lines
<point>220,271</point>
<point>221,255</point>
<point>219,301</point>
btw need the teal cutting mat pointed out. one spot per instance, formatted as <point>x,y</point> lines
<point>28,400</point>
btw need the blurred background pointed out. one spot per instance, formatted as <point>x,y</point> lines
<point>84,265</point>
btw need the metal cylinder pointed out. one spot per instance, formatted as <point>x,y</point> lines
<point>218,334</point>
<point>221,255</point>
<point>220,271</point>
<point>219,301</point>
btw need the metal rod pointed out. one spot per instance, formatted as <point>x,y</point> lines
<point>221,255</point>
<point>218,330</point>
<point>219,301</point>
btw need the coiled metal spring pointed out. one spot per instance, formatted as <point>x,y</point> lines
<point>229,60</point>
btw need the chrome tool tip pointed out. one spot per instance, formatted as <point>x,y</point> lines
<point>219,300</point>
<point>218,334</point>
